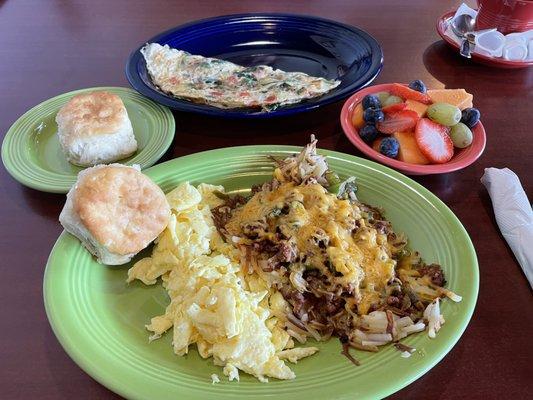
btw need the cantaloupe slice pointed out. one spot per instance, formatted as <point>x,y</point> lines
<point>409,151</point>
<point>357,117</point>
<point>376,144</point>
<point>416,106</point>
<point>457,97</point>
<point>468,103</point>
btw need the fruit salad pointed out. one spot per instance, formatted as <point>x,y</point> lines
<point>416,125</point>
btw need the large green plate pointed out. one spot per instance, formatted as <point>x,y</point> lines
<point>99,319</point>
<point>31,151</point>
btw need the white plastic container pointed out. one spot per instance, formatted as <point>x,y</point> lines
<point>518,46</point>
<point>515,51</point>
<point>490,43</point>
<point>523,37</point>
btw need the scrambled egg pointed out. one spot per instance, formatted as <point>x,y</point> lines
<point>230,316</point>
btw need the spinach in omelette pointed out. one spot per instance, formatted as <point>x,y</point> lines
<point>223,84</point>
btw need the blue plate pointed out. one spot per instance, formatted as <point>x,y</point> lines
<point>316,46</point>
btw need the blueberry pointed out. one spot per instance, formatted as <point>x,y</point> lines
<point>371,101</point>
<point>470,117</point>
<point>372,115</point>
<point>368,133</point>
<point>389,147</point>
<point>419,86</point>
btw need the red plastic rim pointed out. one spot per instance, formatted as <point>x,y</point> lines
<point>461,159</point>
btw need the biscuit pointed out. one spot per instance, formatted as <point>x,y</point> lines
<point>116,211</point>
<point>94,128</point>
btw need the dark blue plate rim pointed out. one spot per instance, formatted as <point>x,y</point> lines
<point>184,105</point>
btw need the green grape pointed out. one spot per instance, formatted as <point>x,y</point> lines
<point>461,135</point>
<point>382,96</point>
<point>392,100</point>
<point>444,114</point>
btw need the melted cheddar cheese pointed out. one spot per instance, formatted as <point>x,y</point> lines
<point>330,235</point>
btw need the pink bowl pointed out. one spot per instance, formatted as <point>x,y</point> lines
<point>461,159</point>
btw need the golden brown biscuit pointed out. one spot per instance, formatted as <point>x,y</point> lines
<point>95,128</point>
<point>116,211</point>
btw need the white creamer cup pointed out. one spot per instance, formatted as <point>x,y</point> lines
<point>518,46</point>
<point>514,51</point>
<point>490,43</point>
<point>523,37</point>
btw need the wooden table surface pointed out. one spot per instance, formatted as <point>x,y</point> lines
<point>52,47</point>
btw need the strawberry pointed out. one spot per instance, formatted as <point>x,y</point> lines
<point>409,94</point>
<point>434,141</point>
<point>394,107</point>
<point>399,121</point>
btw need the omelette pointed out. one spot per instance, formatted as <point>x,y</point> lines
<point>224,84</point>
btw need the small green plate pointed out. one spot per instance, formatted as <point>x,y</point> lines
<point>31,151</point>
<point>99,319</point>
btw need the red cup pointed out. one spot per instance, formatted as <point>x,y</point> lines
<point>505,15</point>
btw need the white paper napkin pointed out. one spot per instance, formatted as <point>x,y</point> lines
<point>513,214</point>
<point>464,9</point>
